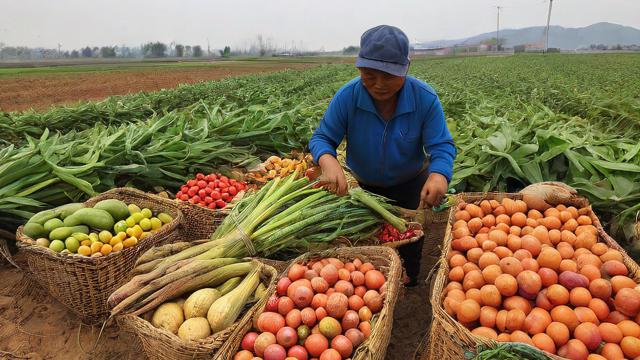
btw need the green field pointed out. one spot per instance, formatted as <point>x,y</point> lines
<point>516,120</point>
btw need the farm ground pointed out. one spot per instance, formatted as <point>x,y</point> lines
<point>42,87</point>
<point>34,326</point>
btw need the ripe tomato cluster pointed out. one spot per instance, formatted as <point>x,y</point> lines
<point>390,234</point>
<point>212,191</point>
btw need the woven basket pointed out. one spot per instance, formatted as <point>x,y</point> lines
<point>198,222</point>
<point>162,344</point>
<point>375,347</point>
<point>83,284</point>
<point>448,339</point>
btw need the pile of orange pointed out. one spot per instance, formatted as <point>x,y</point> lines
<point>541,277</point>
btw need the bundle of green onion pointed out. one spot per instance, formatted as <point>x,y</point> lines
<point>286,214</point>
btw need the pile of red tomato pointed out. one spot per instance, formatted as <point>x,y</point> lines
<point>211,191</point>
<point>321,310</point>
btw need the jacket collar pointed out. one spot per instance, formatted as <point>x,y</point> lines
<point>406,100</point>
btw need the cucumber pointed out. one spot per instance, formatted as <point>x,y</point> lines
<point>62,233</point>
<point>42,217</point>
<point>66,210</point>
<point>34,230</point>
<point>95,218</point>
<point>52,224</point>
<point>118,209</point>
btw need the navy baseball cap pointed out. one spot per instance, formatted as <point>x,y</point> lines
<point>384,48</point>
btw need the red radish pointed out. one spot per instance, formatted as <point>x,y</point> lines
<point>343,345</point>
<point>248,341</point>
<point>283,285</point>
<point>294,285</point>
<point>263,341</point>
<point>275,352</point>
<point>287,337</point>
<point>298,352</point>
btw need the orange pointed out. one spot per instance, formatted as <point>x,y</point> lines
<point>565,315</point>
<point>559,332</point>
<point>106,249</point>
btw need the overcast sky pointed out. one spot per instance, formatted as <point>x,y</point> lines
<point>328,24</point>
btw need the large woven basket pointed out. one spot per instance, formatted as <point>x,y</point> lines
<point>162,344</point>
<point>375,347</point>
<point>448,339</point>
<point>83,284</point>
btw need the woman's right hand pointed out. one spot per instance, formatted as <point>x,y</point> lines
<point>332,177</point>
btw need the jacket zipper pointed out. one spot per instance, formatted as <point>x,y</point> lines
<point>384,145</point>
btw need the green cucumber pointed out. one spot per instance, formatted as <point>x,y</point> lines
<point>62,233</point>
<point>118,209</point>
<point>42,217</point>
<point>34,230</point>
<point>66,210</point>
<point>95,218</point>
<point>52,224</point>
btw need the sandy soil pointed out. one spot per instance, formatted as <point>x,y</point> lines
<point>33,326</point>
<point>40,91</point>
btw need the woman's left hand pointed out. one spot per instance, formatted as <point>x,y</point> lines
<point>433,190</point>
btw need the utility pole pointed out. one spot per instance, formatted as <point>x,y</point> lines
<point>546,32</point>
<point>498,31</point>
<point>59,46</point>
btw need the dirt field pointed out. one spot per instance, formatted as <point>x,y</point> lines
<point>34,88</point>
<point>32,326</point>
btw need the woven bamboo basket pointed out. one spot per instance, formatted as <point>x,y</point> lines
<point>83,284</point>
<point>375,347</point>
<point>162,344</point>
<point>448,339</point>
<point>198,222</point>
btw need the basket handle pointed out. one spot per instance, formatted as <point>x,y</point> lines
<point>4,247</point>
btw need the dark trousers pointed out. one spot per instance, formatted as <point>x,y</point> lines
<point>406,195</point>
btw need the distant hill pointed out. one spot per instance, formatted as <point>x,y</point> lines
<point>559,37</point>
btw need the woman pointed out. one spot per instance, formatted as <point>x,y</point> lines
<point>389,120</point>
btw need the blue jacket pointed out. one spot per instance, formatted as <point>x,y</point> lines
<point>386,153</point>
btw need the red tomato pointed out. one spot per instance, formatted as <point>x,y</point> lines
<point>196,198</point>
<point>202,184</point>
<point>184,188</point>
<point>192,192</point>
<point>223,185</point>
<point>224,179</point>
<point>215,195</point>
<point>212,205</point>
<point>225,196</point>
<point>208,199</point>
<point>211,177</point>
<point>192,182</point>
<point>232,181</point>
<point>232,190</point>
<point>199,176</point>
<point>202,193</point>
<point>184,197</point>
<point>202,203</point>
<point>220,203</point>
<point>192,201</point>
<point>208,190</point>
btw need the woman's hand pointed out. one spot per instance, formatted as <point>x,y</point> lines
<point>332,177</point>
<point>433,190</point>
